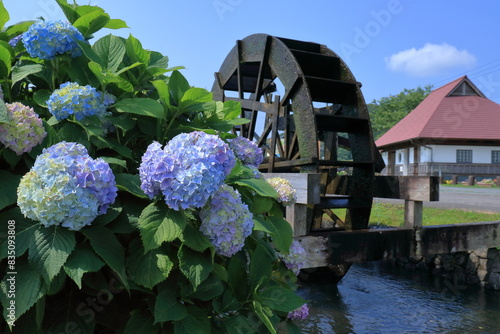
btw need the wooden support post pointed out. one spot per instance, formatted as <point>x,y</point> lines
<point>413,214</point>
<point>471,180</point>
<point>454,179</point>
<point>498,181</point>
<point>296,215</point>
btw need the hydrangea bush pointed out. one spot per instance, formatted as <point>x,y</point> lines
<point>134,209</point>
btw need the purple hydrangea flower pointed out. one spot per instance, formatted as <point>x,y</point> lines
<point>189,170</point>
<point>46,39</point>
<point>299,314</point>
<point>247,151</point>
<point>24,131</point>
<point>66,187</point>
<point>226,221</point>
<point>81,101</point>
<point>286,194</point>
<point>296,257</point>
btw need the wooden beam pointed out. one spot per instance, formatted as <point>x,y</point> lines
<point>412,188</point>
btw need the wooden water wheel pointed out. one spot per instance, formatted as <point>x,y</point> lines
<point>308,114</point>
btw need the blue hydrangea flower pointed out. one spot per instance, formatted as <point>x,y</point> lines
<point>247,151</point>
<point>190,169</point>
<point>226,221</point>
<point>46,39</point>
<point>286,194</point>
<point>299,314</point>
<point>81,101</point>
<point>296,257</point>
<point>66,187</point>
<point>24,131</point>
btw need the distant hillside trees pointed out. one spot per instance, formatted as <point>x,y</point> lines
<point>387,111</point>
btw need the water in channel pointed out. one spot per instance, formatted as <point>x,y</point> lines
<point>376,298</point>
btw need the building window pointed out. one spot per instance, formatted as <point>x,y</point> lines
<point>464,156</point>
<point>495,157</point>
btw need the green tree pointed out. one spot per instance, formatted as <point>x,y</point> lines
<point>387,111</point>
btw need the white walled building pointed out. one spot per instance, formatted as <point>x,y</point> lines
<point>454,131</point>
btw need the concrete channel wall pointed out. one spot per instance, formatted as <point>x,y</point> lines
<point>474,267</point>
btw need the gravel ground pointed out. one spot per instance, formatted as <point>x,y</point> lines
<point>474,199</point>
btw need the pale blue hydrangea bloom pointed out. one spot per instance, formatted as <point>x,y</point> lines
<point>247,151</point>
<point>81,101</point>
<point>296,257</point>
<point>299,314</point>
<point>46,39</point>
<point>190,169</point>
<point>287,195</point>
<point>226,221</point>
<point>24,131</point>
<point>66,187</point>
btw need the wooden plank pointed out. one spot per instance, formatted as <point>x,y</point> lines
<point>413,214</point>
<point>412,188</point>
<point>307,185</point>
<point>296,215</point>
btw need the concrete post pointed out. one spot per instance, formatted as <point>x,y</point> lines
<point>471,180</point>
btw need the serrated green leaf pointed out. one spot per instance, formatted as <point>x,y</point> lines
<point>111,50</point>
<point>24,228</point>
<point>21,72</point>
<point>158,224</point>
<point>260,186</point>
<point>163,91</point>
<point>178,86</point>
<point>82,261</point>
<point>130,183</point>
<point>41,97</point>
<point>260,266</point>
<point>106,245</point>
<point>28,289</point>
<point>143,268</point>
<point>164,264</point>
<point>116,24</point>
<point>140,323</point>
<point>168,308</point>
<point>209,289</point>
<point>282,238</point>
<point>280,299</point>
<point>194,265</point>
<point>68,10</point>
<point>4,15</point>
<point>50,248</point>
<point>195,322</point>
<point>194,239</point>
<point>114,161</point>
<point>5,60</point>
<point>9,182</point>
<point>135,50</point>
<point>195,99</point>
<point>141,106</point>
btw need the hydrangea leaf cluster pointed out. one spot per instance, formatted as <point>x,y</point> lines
<point>46,39</point>
<point>226,221</point>
<point>66,187</point>
<point>287,195</point>
<point>299,314</point>
<point>24,131</point>
<point>296,257</point>
<point>247,151</point>
<point>80,101</point>
<point>189,170</point>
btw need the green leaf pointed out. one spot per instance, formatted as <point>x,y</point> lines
<point>4,15</point>
<point>28,289</point>
<point>9,182</point>
<point>115,161</point>
<point>21,72</point>
<point>111,50</point>
<point>82,261</point>
<point>143,268</point>
<point>210,288</point>
<point>238,324</point>
<point>140,323</point>
<point>164,264</point>
<point>194,239</point>
<point>91,54</point>
<point>163,91</point>
<point>50,248</point>
<point>195,99</point>
<point>260,266</point>
<point>194,265</point>
<point>135,50</point>
<point>141,106</point>
<point>24,228</point>
<point>4,116</point>
<point>96,23</point>
<point>106,245</point>
<point>41,97</point>
<point>116,24</point>
<point>263,316</point>
<point>260,186</point>
<point>68,10</point>
<point>282,238</point>
<point>178,86</point>
<point>111,214</point>
<point>158,224</point>
<point>130,183</point>
<point>195,322</point>
<point>5,60</point>
<point>237,277</point>
<point>167,307</point>
<point>280,299</point>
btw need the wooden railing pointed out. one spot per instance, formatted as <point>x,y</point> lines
<point>435,168</point>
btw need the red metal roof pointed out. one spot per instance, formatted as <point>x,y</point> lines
<point>440,116</point>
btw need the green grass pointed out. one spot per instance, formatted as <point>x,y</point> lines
<point>393,215</point>
<point>466,186</point>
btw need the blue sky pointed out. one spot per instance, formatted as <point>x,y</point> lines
<point>389,45</point>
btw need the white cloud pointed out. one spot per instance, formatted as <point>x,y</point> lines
<point>430,60</point>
